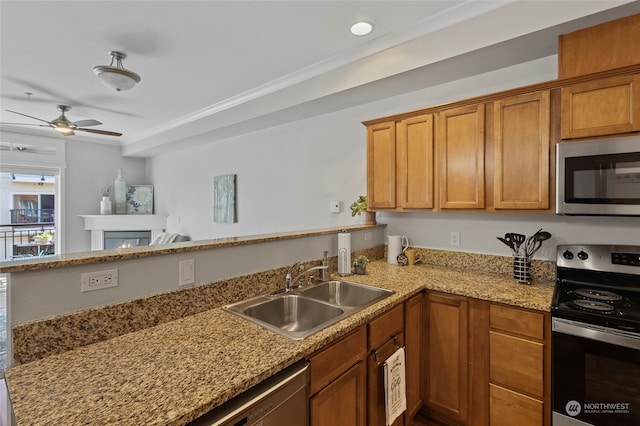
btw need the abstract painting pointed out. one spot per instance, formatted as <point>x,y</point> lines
<point>224,199</point>
<point>140,199</point>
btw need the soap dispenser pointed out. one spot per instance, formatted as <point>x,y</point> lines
<point>326,274</point>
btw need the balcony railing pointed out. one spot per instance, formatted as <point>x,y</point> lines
<point>32,215</point>
<point>18,241</point>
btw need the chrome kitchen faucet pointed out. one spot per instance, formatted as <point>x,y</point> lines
<point>290,282</point>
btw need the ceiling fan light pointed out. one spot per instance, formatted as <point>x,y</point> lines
<point>116,77</point>
<point>64,130</point>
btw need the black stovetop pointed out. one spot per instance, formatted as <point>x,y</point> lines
<point>599,285</point>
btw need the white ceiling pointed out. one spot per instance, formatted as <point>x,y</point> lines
<point>216,69</point>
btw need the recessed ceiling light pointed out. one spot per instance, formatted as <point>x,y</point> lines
<point>361,28</point>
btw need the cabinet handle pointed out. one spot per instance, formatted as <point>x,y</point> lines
<point>396,346</point>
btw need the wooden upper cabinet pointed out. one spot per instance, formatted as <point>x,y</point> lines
<point>414,162</point>
<point>521,151</point>
<point>381,165</point>
<point>460,147</point>
<point>607,46</point>
<point>601,107</point>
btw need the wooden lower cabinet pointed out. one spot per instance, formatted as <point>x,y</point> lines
<point>376,414</point>
<point>385,337</point>
<point>414,324</point>
<point>519,367</point>
<point>347,377</point>
<point>510,408</point>
<point>338,382</point>
<point>447,357</point>
<point>486,364</point>
<point>342,402</point>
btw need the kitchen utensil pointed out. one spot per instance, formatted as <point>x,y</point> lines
<point>534,242</point>
<point>507,243</point>
<point>518,239</point>
<point>509,238</point>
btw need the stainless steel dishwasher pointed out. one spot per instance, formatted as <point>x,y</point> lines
<point>282,399</point>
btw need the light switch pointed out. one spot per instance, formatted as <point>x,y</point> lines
<point>334,206</point>
<point>187,272</point>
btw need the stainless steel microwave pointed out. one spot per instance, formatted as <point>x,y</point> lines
<point>598,177</point>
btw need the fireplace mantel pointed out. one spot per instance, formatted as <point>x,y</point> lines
<point>97,224</point>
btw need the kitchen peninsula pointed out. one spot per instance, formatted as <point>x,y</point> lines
<point>171,373</point>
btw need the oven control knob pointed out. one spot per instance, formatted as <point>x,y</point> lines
<point>567,255</point>
<point>582,255</point>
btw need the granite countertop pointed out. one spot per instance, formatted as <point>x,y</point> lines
<point>175,372</point>
<point>86,258</point>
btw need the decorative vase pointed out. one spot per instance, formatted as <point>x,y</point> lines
<point>360,270</point>
<point>120,193</point>
<point>369,218</point>
<point>105,205</point>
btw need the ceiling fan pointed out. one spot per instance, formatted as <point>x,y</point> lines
<point>66,126</point>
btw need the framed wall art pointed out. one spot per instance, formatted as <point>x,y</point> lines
<point>224,199</point>
<point>140,199</point>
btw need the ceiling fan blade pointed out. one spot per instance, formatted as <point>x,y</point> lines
<point>26,124</point>
<point>86,123</point>
<point>100,132</point>
<point>30,116</point>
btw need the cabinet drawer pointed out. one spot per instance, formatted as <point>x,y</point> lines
<point>385,326</point>
<point>331,362</point>
<point>508,408</point>
<point>516,363</point>
<point>525,323</point>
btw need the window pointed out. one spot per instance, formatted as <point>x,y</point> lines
<point>33,208</point>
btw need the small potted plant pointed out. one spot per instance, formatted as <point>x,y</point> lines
<point>43,237</point>
<point>360,264</point>
<point>359,206</point>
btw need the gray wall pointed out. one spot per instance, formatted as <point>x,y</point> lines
<point>288,174</point>
<point>87,164</point>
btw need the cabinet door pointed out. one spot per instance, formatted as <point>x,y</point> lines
<point>343,401</point>
<point>381,165</point>
<point>521,138</point>
<point>376,414</point>
<point>413,343</point>
<point>460,139</point>
<point>414,162</point>
<point>447,353</point>
<point>600,107</point>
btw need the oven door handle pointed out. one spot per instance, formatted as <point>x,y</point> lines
<point>594,332</point>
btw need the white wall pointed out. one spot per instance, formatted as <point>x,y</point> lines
<point>288,174</point>
<point>87,164</point>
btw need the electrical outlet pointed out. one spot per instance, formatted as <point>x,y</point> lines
<point>368,236</point>
<point>455,239</point>
<point>98,280</point>
<point>186,272</point>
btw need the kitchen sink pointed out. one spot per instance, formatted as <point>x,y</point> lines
<point>302,312</point>
<point>345,294</point>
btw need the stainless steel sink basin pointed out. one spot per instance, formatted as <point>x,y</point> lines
<point>343,293</point>
<point>302,312</point>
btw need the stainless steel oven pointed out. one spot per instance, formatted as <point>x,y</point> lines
<point>596,336</point>
<point>598,177</point>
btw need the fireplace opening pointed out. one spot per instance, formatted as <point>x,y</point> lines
<point>126,239</point>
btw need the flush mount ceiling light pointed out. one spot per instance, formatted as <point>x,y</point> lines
<point>116,77</point>
<point>361,28</point>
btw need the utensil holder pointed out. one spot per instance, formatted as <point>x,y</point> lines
<point>522,269</point>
